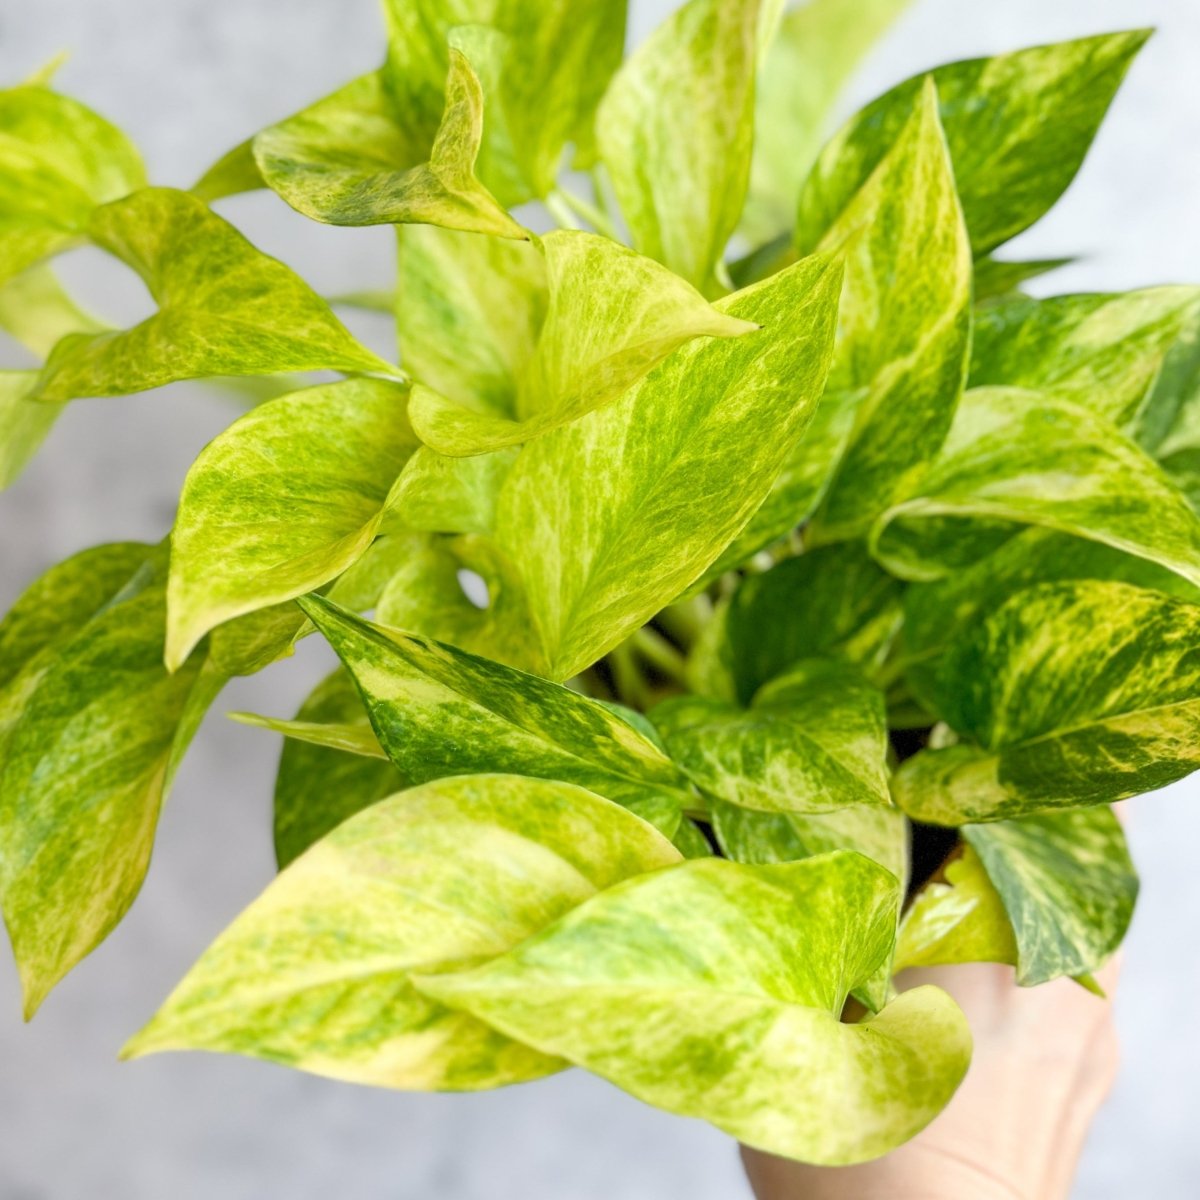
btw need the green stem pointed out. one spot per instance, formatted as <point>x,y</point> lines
<point>579,207</point>
<point>686,620</point>
<point>660,654</point>
<point>560,210</point>
<point>630,686</point>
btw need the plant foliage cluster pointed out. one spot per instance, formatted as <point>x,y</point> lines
<point>835,586</point>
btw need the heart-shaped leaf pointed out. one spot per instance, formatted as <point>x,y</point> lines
<point>713,990</point>
<point>1073,693</point>
<point>814,740</point>
<point>648,480</point>
<point>316,972</point>
<point>282,502</point>
<point>224,308</point>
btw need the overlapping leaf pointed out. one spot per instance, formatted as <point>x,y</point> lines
<point>354,159</point>
<point>1073,694</point>
<point>58,161</point>
<point>649,479</point>
<point>813,740</point>
<point>675,132</point>
<point>831,602</point>
<point>251,642</point>
<point>426,594</point>
<point>440,711</point>
<point>36,311</point>
<point>92,728</point>
<point>469,309</point>
<point>904,322</point>
<point>316,972</point>
<point>808,62</point>
<point>1101,351</point>
<point>283,501</point>
<point>878,831</point>
<point>959,918</point>
<point>1018,458</point>
<point>224,308</point>
<point>1067,883</point>
<point>612,316</point>
<point>1010,163</point>
<point>935,613</point>
<point>318,787</point>
<point>713,990</point>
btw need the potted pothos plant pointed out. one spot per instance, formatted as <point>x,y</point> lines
<point>743,591</point>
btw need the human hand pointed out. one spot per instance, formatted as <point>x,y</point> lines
<point>1044,1061</point>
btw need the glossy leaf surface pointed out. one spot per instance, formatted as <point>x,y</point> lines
<point>1073,693</point>
<point>441,711</point>
<point>640,465</point>
<point>1011,163</point>
<point>656,985</point>
<point>224,308</point>
<point>316,972</point>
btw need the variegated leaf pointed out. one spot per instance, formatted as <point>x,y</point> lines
<point>640,465</point>
<point>612,316</point>
<point>1101,351</point>
<point>657,985</point>
<point>316,972</point>
<point>1073,694</point>
<point>440,711</point>
<point>1018,127</point>
<point>936,613</point>
<point>1067,883</point>
<point>806,65</point>
<point>355,159</point>
<point>224,308</point>
<point>91,729</point>
<point>813,740</point>
<point>1018,458</point>
<point>904,324</point>
<point>282,502</point>
<point>469,309</point>
<point>675,132</point>
<point>319,786</point>
<point>58,161</point>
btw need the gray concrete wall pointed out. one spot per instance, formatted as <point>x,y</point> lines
<point>189,78</point>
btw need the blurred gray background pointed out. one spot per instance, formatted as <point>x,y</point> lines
<point>188,79</point>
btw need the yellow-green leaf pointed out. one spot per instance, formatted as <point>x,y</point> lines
<point>1067,883</point>
<point>1072,694</point>
<point>713,990</point>
<point>904,323</point>
<point>810,59</point>
<point>675,131</point>
<point>283,501</point>
<point>355,159</point>
<point>814,740</point>
<point>224,308</point>
<point>58,161</point>
<point>468,311</point>
<point>1018,127</point>
<point>317,787</point>
<point>668,473</point>
<point>426,595</point>
<point>612,316</point>
<point>1101,351</point>
<point>957,919</point>
<point>1017,458</point>
<point>440,711</point>
<point>92,728</point>
<point>316,972</point>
